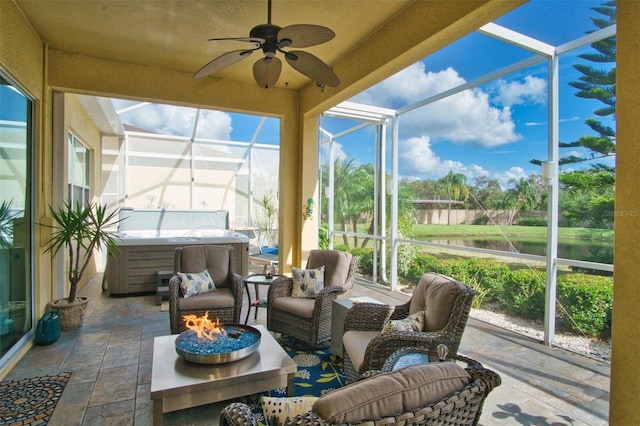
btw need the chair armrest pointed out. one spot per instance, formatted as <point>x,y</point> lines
<point>331,289</point>
<point>237,285</point>
<point>384,345</point>
<point>477,372</point>
<point>400,311</point>
<point>367,317</point>
<point>280,287</point>
<point>237,414</point>
<point>308,419</point>
<point>174,287</point>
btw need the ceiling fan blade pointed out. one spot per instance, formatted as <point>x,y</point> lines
<point>255,40</point>
<point>305,35</point>
<point>266,71</point>
<point>312,67</point>
<point>222,61</point>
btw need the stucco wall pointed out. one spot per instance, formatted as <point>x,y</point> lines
<point>77,122</point>
<point>625,384</point>
<point>469,216</point>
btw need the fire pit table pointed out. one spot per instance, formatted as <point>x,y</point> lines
<point>177,383</point>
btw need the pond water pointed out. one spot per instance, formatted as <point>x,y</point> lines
<point>594,251</point>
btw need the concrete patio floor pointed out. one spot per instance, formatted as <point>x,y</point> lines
<point>110,360</point>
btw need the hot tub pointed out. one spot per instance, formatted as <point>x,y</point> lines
<point>145,252</point>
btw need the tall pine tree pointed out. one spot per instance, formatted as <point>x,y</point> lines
<point>599,84</point>
<point>587,196</point>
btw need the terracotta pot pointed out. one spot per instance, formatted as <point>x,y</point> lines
<point>71,314</point>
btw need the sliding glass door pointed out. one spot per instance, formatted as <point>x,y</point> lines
<point>16,221</point>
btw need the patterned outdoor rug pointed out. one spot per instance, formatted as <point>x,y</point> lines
<point>30,401</point>
<point>318,372</point>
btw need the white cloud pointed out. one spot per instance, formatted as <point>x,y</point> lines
<point>530,90</point>
<point>514,172</point>
<point>179,121</point>
<point>410,85</point>
<point>418,159</point>
<point>214,125</point>
<point>338,151</point>
<point>467,117</point>
<point>544,123</point>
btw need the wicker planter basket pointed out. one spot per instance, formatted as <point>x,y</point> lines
<point>71,314</point>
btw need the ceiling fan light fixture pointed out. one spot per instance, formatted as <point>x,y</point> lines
<point>266,72</point>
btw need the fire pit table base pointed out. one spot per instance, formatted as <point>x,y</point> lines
<point>177,384</point>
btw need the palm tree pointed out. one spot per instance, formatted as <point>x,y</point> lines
<point>524,195</point>
<point>343,171</point>
<point>455,185</point>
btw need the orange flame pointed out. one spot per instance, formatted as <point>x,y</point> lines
<point>203,326</point>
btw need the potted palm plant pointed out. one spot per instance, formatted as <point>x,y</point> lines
<point>80,229</point>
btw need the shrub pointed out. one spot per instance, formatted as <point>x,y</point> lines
<point>406,254</point>
<point>586,304</point>
<point>420,265</point>
<point>365,260</point>
<point>481,292</point>
<point>323,237</point>
<point>532,221</point>
<point>481,220</point>
<point>524,293</point>
<point>490,275</point>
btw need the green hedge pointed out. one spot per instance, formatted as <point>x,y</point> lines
<point>588,301</point>
<point>584,302</point>
<point>524,293</point>
<point>489,274</point>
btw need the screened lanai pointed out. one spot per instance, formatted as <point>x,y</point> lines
<point>389,148</point>
<point>194,159</point>
<point>447,114</point>
<point>467,98</point>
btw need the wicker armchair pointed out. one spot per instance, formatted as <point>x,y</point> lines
<point>309,320</point>
<point>224,303</point>
<point>446,303</point>
<point>461,407</point>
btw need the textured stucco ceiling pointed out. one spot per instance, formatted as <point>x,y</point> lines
<point>173,34</point>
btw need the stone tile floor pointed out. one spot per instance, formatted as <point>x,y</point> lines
<point>110,361</point>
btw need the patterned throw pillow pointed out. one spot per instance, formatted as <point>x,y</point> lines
<point>195,283</point>
<point>307,282</point>
<point>277,411</point>
<point>412,323</point>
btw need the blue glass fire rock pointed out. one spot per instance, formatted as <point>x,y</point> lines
<point>234,340</point>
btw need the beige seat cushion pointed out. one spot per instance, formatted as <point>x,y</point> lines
<point>435,295</point>
<point>221,298</point>
<point>355,344</point>
<point>295,305</point>
<point>392,393</point>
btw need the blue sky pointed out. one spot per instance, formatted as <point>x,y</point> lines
<point>493,130</point>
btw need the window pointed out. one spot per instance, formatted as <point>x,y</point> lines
<point>79,166</point>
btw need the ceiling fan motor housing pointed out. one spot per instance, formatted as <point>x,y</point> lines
<point>269,33</point>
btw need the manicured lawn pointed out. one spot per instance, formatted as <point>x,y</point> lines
<point>421,231</point>
<point>431,231</point>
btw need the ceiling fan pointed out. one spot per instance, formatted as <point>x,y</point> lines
<point>271,39</point>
